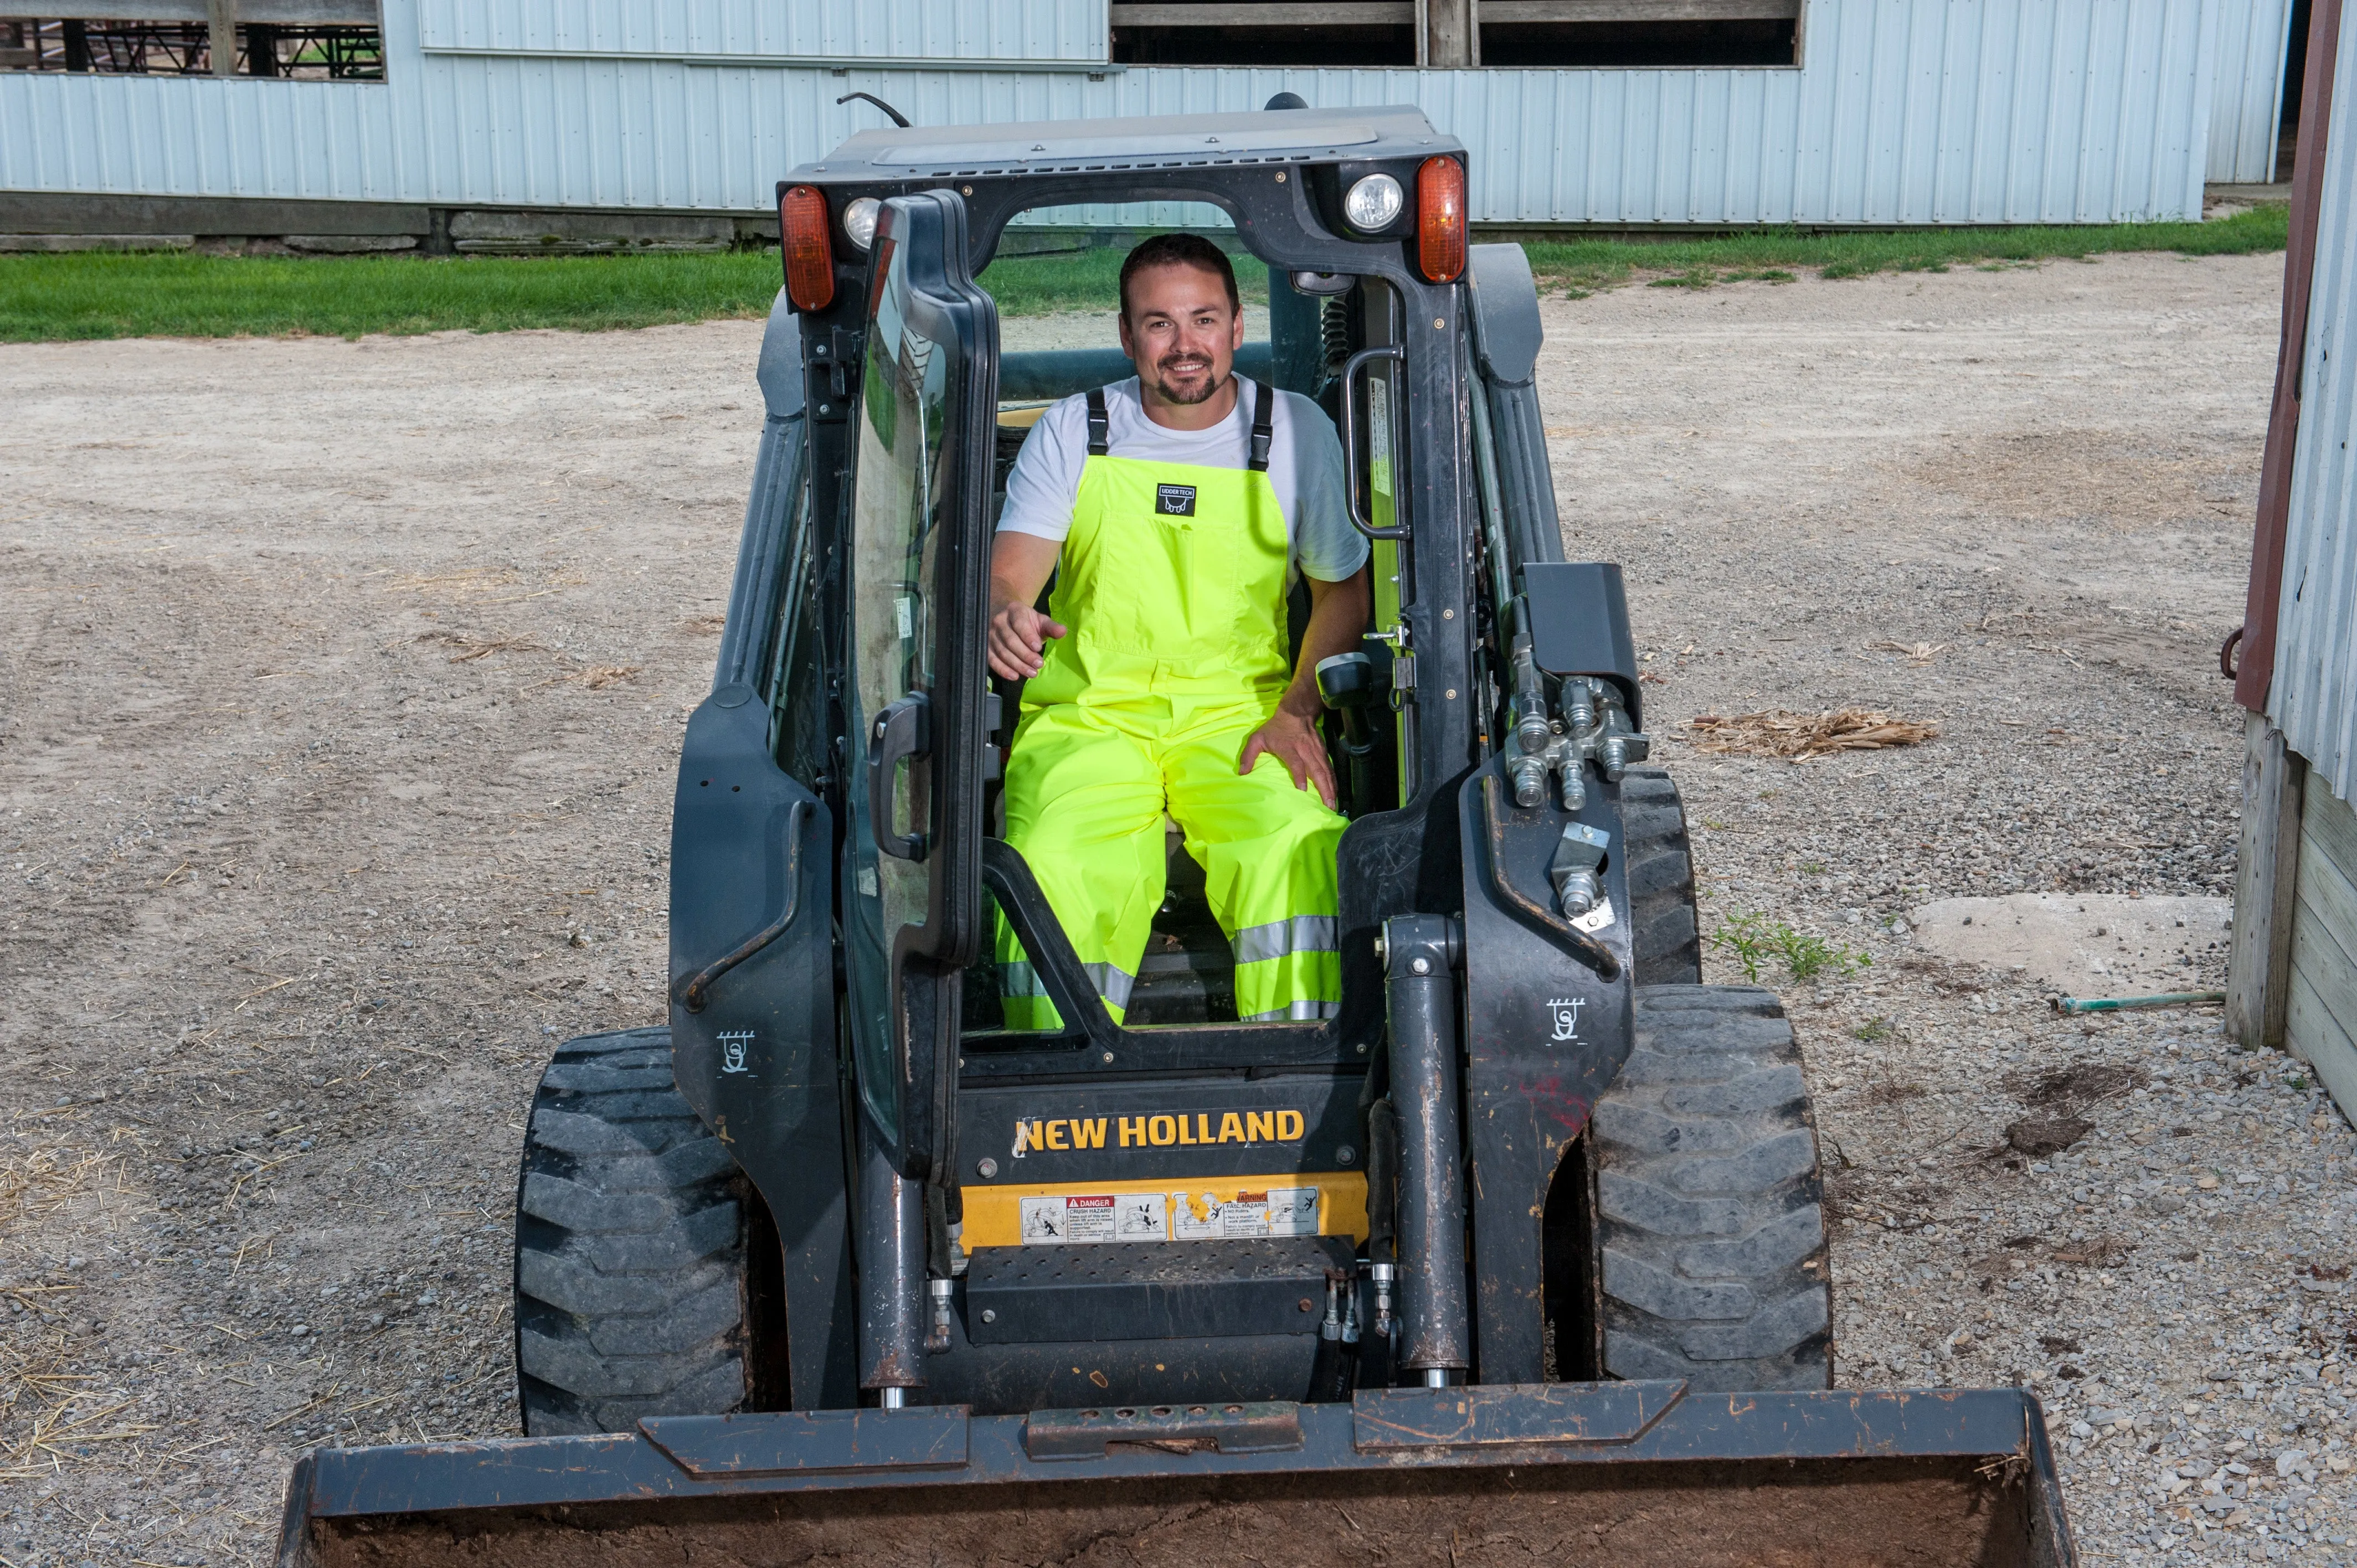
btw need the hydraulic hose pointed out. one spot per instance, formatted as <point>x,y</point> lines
<point>1493,511</point>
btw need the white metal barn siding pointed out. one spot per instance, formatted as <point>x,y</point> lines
<point>2313,699</point>
<point>1006,32</point>
<point>2246,106</point>
<point>1902,111</point>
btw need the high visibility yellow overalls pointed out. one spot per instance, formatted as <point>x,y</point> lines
<point>1172,586</point>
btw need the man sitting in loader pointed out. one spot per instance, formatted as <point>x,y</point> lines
<point>1174,510</point>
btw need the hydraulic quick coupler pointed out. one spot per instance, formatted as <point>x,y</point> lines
<point>1594,726</point>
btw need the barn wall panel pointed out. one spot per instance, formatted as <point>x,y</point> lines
<point>1903,112</point>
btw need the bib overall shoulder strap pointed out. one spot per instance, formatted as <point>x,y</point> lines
<point>1264,429</point>
<point>1099,424</point>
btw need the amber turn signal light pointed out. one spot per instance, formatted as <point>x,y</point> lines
<point>810,252</point>
<point>1440,219</point>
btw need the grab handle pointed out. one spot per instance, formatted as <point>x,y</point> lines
<point>1352,368</point>
<point>900,733</point>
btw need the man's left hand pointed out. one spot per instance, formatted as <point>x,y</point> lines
<point>1293,740</point>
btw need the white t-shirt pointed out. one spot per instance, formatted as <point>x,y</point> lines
<point>1305,468</point>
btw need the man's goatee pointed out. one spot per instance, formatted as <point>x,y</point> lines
<point>1184,398</point>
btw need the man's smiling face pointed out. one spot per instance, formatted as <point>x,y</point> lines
<point>1181,332</point>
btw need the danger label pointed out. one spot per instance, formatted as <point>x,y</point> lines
<point>1095,1217</point>
<point>1279,1212</point>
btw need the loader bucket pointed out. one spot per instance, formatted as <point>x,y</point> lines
<point>1559,1474</point>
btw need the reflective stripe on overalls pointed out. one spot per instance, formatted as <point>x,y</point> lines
<point>1172,583</point>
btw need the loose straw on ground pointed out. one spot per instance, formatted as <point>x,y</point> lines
<point>1800,736</point>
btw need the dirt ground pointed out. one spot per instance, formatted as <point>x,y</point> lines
<point>340,692</point>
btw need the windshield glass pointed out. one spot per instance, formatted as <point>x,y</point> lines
<point>1056,274</point>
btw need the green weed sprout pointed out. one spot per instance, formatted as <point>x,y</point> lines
<point>1754,939</point>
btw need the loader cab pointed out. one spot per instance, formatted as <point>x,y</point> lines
<point>899,332</point>
<point>1002,1166</point>
<point>1181,1125</point>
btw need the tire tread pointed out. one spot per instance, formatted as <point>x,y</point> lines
<point>630,1250</point>
<point>1710,1205</point>
<point>1658,865</point>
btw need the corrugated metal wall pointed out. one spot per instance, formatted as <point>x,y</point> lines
<point>1903,112</point>
<point>2313,699</point>
<point>963,30</point>
<point>2246,102</point>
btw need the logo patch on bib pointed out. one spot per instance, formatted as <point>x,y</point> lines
<point>1175,500</point>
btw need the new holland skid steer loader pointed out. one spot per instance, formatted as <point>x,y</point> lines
<point>1521,1258</point>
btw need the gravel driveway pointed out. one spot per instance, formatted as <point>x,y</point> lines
<point>340,691</point>
<point>2013,505</point>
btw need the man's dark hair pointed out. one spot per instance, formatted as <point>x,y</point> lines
<point>1179,251</point>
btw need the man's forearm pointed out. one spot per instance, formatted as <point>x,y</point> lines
<point>1007,591</point>
<point>1021,565</point>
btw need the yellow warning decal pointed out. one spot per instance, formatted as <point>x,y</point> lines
<point>1330,1203</point>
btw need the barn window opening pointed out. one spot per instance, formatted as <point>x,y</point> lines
<point>1541,41</point>
<point>302,41</point>
<point>1266,32</point>
<point>1496,34</point>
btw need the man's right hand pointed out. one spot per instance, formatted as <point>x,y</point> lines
<point>1017,634</point>
<point>1019,565</point>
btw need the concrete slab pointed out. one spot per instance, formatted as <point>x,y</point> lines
<point>2082,944</point>
<point>501,232</point>
<point>86,212</point>
<point>56,243</point>
<point>2246,195</point>
<point>350,244</point>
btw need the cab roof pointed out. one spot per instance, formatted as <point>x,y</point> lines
<point>1140,143</point>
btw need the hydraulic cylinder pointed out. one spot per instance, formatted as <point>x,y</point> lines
<point>1421,956</point>
<point>891,1277</point>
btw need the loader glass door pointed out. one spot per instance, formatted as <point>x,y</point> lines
<point>918,564</point>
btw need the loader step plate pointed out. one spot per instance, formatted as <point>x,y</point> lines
<point>1271,1427</point>
<point>1480,1417</point>
<point>735,1447</point>
<point>1164,1290</point>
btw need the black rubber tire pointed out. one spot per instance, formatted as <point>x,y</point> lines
<point>1710,1228</point>
<point>1662,922</point>
<point>630,1247</point>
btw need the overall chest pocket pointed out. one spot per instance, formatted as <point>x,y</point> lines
<point>1167,582</point>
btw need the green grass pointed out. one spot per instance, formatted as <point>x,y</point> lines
<point>107,295</point>
<point>1083,280</point>
<point>150,294</point>
<point>163,294</point>
<point>1581,266</point>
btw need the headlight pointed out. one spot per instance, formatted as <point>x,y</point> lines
<point>859,219</point>
<point>1372,203</point>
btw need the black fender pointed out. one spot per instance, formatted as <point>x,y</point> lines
<point>1548,1024</point>
<point>752,1012</point>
